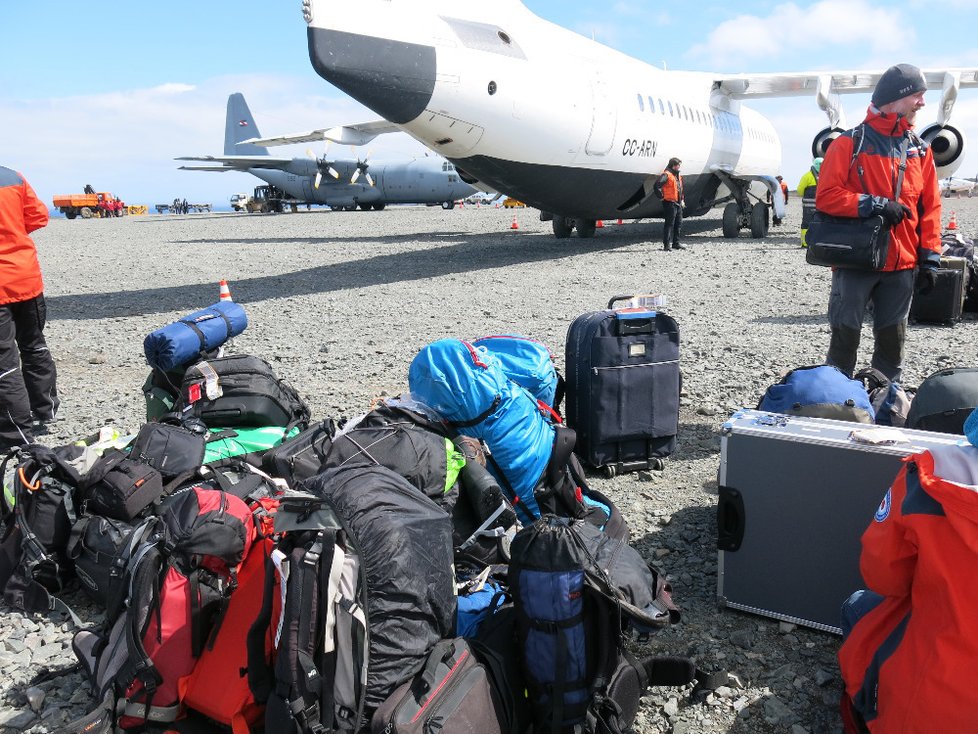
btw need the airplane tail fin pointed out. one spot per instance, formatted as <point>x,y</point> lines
<point>240,125</point>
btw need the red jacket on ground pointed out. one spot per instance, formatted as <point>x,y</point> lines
<point>913,659</point>
<point>841,192</point>
<point>21,212</point>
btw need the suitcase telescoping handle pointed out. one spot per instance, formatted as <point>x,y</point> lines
<point>615,299</point>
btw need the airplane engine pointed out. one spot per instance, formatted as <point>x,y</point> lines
<point>822,140</point>
<point>948,145</point>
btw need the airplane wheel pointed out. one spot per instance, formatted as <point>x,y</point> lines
<point>759,221</point>
<point>366,207</point>
<point>562,226</point>
<point>379,207</point>
<point>731,220</point>
<point>448,205</point>
<point>350,208</point>
<point>585,227</point>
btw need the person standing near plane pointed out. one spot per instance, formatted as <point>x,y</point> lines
<point>27,373</point>
<point>807,188</point>
<point>857,179</point>
<point>669,188</point>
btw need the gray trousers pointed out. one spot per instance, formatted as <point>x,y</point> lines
<point>890,293</point>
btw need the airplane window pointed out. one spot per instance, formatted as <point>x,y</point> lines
<point>641,103</point>
<point>662,107</point>
<point>670,109</point>
<point>651,105</point>
<point>697,113</point>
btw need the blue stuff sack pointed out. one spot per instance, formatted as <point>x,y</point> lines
<point>820,391</point>
<point>526,362</point>
<point>467,387</point>
<point>475,606</point>
<point>181,342</point>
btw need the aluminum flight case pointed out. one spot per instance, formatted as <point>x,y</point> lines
<point>796,495</point>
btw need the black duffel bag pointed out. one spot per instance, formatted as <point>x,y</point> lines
<point>847,242</point>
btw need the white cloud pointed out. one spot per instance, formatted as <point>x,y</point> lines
<point>793,30</point>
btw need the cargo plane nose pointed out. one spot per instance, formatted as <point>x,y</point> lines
<point>395,79</point>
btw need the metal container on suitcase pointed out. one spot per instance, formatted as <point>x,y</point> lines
<point>796,495</point>
<point>623,386</point>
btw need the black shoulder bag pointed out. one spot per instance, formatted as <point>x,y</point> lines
<point>860,243</point>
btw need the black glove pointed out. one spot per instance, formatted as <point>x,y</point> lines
<point>893,212</point>
<point>926,280</point>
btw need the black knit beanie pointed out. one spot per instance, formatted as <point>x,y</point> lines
<point>898,82</point>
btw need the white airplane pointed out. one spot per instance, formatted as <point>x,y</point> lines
<point>953,185</point>
<point>567,125</point>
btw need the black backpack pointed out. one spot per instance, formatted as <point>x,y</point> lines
<point>944,400</point>
<point>576,592</point>
<point>241,390</point>
<point>36,519</point>
<point>369,591</point>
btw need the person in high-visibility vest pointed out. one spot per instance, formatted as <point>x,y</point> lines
<point>669,188</point>
<point>807,188</point>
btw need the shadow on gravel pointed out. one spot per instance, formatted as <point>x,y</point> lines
<point>471,254</point>
<point>808,318</point>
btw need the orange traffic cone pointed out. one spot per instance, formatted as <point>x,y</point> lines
<point>515,224</point>
<point>953,224</point>
<point>598,224</point>
<point>225,291</point>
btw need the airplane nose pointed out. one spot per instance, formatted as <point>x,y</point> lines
<point>393,78</point>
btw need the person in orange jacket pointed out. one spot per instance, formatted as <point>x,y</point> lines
<point>669,188</point>
<point>858,179</point>
<point>28,392</point>
<point>908,659</point>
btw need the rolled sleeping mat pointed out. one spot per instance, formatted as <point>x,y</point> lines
<point>181,342</point>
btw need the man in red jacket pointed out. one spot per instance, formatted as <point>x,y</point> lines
<point>858,178</point>
<point>908,660</point>
<point>27,373</point>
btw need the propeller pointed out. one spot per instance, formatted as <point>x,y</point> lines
<point>362,167</point>
<point>321,165</point>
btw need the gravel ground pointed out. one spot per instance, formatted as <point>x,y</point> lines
<point>339,303</point>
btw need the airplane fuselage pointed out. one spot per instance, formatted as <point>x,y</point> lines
<point>563,123</point>
<point>420,181</point>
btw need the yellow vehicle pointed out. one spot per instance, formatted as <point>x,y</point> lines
<point>511,203</point>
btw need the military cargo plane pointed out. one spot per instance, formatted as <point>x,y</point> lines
<point>572,127</point>
<point>340,184</point>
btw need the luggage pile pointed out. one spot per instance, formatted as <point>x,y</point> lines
<point>436,561</point>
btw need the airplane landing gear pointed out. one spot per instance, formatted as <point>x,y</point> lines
<point>585,227</point>
<point>731,220</point>
<point>562,226</point>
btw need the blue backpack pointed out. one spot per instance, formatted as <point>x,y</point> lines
<point>529,364</point>
<point>575,590</point>
<point>819,391</point>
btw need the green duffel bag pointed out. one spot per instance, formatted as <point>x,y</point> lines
<point>247,444</point>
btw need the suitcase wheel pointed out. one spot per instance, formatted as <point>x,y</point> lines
<point>609,470</point>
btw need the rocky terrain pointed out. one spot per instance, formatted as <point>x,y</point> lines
<point>339,303</point>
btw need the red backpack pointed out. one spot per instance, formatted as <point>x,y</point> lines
<point>180,580</point>
<point>226,659</point>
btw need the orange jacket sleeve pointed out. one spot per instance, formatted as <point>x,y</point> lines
<point>889,555</point>
<point>929,211</point>
<point>35,213</point>
<point>832,195</point>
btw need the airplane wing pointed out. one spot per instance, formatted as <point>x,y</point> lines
<point>360,134</point>
<point>827,85</point>
<point>743,86</point>
<point>234,163</point>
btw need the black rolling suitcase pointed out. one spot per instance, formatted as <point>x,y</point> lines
<point>944,304</point>
<point>623,382</point>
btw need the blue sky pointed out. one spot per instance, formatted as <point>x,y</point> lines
<point>109,94</point>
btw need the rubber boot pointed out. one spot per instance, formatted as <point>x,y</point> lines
<point>842,349</point>
<point>888,350</point>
